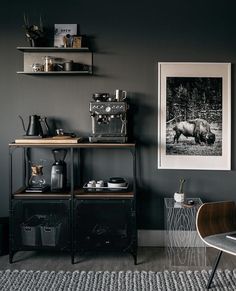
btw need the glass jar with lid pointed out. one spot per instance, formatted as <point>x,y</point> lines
<point>48,64</point>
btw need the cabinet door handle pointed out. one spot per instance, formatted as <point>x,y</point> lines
<point>47,229</point>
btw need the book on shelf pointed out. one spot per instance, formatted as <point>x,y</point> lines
<point>231,236</point>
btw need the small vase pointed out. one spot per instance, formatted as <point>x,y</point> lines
<point>179,197</point>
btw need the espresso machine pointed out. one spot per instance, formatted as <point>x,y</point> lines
<point>109,117</point>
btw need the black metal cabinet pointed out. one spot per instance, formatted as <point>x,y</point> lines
<point>104,224</point>
<point>36,220</point>
<point>76,220</point>
<point>106,221</point>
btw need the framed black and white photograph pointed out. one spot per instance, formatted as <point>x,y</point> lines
<point>194,116</point>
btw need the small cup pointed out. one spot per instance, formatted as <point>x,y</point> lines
<point>101,183</point>
<point>60,131</point>
<point>92,184</point>
<point>120,95</point>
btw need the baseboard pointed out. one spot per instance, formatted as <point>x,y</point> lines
<point>160,238</point>
<point>151,238</point>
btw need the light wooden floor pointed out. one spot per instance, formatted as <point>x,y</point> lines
<point>149,259</point>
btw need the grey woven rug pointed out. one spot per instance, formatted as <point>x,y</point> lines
<point>109,281</point>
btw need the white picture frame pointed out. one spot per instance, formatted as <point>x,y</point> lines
<point>194,98</point>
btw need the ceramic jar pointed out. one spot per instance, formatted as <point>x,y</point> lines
<point>179,197</point>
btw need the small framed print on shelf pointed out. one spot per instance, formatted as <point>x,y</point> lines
<point>63,34</point>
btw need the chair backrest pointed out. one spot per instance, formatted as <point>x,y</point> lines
<point>216,217</point>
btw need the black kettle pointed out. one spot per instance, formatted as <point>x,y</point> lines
<point>35,126</point>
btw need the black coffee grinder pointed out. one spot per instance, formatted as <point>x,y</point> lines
<point>58,172</point>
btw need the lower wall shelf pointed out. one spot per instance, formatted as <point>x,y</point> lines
<point>57,73</point>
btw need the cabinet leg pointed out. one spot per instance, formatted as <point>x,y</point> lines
<point>11,254</point>
<point>135,256</point>
<point>72,258</point>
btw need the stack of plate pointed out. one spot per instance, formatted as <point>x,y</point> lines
<point>116,182</point>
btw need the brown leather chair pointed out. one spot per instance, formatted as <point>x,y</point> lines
<point>214,221</point>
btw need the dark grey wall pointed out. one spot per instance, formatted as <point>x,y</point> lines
<point>129,38</point>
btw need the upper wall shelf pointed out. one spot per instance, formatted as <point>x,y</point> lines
<point>52,49</point>
<point>82,60</point>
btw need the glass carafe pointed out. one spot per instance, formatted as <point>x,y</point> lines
<point>37,179</point>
